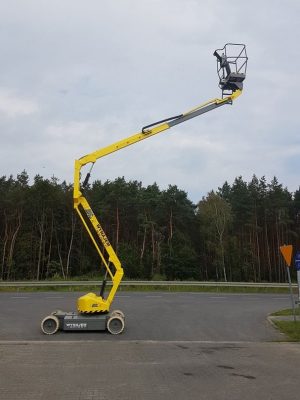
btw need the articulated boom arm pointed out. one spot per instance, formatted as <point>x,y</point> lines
<point>91,303</point>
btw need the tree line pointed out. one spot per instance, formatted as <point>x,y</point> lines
<point>231,234</point>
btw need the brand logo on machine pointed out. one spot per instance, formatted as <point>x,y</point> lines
<point>95,305</point>
<point>103,236</point>
<point>99,229</point>
<point>81,325</point>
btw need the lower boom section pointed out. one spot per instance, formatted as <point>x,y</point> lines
<point>113,322</point>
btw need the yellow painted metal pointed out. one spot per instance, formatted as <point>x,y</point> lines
<point>91,303</point>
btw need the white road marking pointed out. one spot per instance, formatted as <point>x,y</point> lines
<point>280,298</point>
<point>19,297</point>
<point>218,297</point>
<point>124,342</point>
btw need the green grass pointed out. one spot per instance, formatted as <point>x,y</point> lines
<point>147,288</point>
<point>286,312</point>
<point>290,328</point>
<point>204,289</point>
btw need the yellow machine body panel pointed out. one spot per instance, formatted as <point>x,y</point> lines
<point>91,303</point>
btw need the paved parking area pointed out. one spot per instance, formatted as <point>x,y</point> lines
<point>129,370</point>
<point>176,346</point>
<point>151,316</point>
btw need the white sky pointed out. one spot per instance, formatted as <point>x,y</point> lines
<point>79,75</point>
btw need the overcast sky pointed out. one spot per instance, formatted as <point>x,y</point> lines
<point>78,75</point>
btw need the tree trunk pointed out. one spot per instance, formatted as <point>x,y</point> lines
<point>50,245</point>
<point>143,244</point>
<point>153,249</point>
<point>12,243</point>
<point>5,241</point>
<point>41,224</point>
<point>257,248</point>
<point>223,257</point>
<point>118,229</point>
<point>73,223</point>
<point>268,252</point>
<point>60,257</point>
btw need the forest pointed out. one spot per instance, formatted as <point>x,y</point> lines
<point>232,234</point>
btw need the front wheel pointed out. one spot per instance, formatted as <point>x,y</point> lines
<point>115,325</point>
<point>50,325</point>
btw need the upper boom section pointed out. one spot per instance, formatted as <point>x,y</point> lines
<point>232,64</point>
<point>156,128</point>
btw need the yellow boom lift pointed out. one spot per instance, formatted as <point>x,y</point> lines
<point>94,310</point>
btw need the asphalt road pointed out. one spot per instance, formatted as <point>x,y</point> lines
<point>151,316</point>
<point>175,346</point>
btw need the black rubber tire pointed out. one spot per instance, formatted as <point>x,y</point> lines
<point>50,325</point>
<point>115,325</point>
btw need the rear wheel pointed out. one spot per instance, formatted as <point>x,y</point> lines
<point>115,325</point>
<point>50,325</point>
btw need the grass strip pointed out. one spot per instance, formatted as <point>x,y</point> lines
<point>286,312</point>
<point>148,288</point>
<point>290,328</point>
